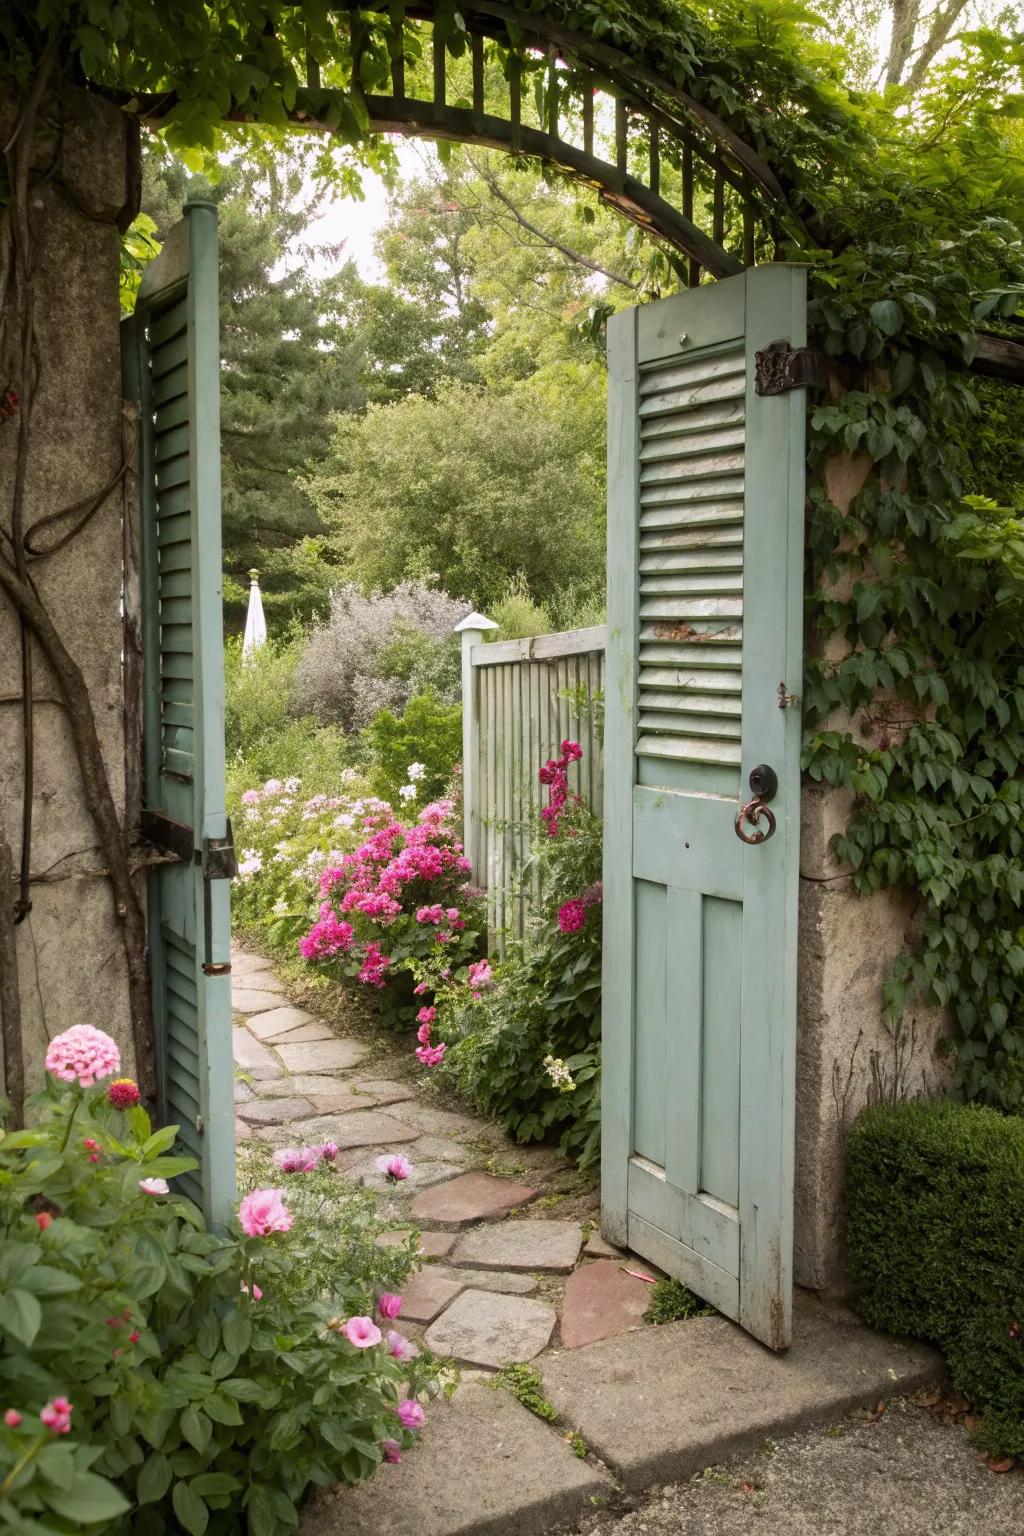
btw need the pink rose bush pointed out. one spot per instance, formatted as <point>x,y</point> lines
<point>399,902</point>
<point>133,1297</point>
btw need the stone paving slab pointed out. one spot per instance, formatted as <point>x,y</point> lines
<point>662,1403</point>
<point>362,1128</point>
<point>310,1084</point>
<point>484,1466</point>
<point>244,967</point>
<point>433,1245</point>
<point>432,1121</point>
<point>596,1246</point>
<point>273,1111</point>
<point>469,1198</point>
<point>546,1246</point>
<point>488,1329</point>
<point>424,1175</point>
<point>304,1033</point>
<point>383,1089</point>
<point>252,1057</point>
<point>253,999</point>
<point>493,1280</point>
<point>277,1021</point>
<point>601,1300</point>
<point>426,1293</point>
<point>322,1055</point>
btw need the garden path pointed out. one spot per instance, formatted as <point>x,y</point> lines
<point>513,1261</point>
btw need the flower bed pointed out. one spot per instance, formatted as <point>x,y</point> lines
<point>157,1377</point>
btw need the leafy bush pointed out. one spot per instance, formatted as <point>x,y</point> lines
<point>157,1377</point>
<point>936,1245</point>
<point>428,736</point>
<point>264,739</point>
<point>405,888</point>
<point>522,1038</point>
<point>379,651</point>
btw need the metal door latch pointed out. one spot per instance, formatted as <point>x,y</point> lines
<point>764,782</point>
<point>787,700</point>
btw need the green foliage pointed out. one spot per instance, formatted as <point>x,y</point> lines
<point>672,1302</point>
<point>196,1405</point>
<point>517,615</point>
<point>264,740</point>
<point>526,1047</point>
<point>525,1384</point>
<point>936,1246</point>
<point>479,485</point>
<point>428,737</point>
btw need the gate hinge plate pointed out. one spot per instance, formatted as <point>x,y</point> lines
<point>781,367</point>
<point>171,836</point>
<point>219,862</point>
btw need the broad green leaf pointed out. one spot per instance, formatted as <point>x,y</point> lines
<point>20,1315</point>
<point>90,1500</point>
<point>190,1509</point>
<point>154,1479</point>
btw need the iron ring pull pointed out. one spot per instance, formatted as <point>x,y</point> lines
<point>764,782</point>
<point>755,811</point>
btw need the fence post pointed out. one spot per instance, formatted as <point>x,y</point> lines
<point>472,631</point>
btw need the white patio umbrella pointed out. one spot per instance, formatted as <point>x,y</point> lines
<point>255,622</point>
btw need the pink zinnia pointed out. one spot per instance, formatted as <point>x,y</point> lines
<point>399,1347</point>
<point>263,1211</point>
<point>392,1450</point>
<point>395,1166</point>
<point>389,1305</point>
<point>410,1413</point>
<point>57,1416</point>
<point>362,1332</point>
<point>82,1055</point>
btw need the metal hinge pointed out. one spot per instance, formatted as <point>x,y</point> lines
<point>781,367</point>
<point>219,862</point>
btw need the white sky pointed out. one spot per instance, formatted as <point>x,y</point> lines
<point>356,221</point>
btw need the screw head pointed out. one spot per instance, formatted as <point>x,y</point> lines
<point>684,339</point>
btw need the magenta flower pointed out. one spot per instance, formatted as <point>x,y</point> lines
<point>392,1450</point>
<point>123,1093</point>
<point>480,974</point>
<point>154,1186</point>
<point>362,1332</point>
<point>420,988</point>
<point>423,1034</point>
<point>297,1159</point>
<point>571,916</point>
<point>426,1016</point>
<point>431,1055</point>
<point>12,1418</point>
<point>57,1416</point>
<point>82,1055</point>
<point>395,1166</point>
<point>410,1413</point>
<point>328,1151</point>
<point>388,1304</point>
<point>399,1347</point>
<point>253,1291</point>
<point>263,1211</point>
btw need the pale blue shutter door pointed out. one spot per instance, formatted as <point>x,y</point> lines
<point>705,542</point>
<point>172,367</point>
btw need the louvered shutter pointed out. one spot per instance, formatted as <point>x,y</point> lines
<point>172,371</point>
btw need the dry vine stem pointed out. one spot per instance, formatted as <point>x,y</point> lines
<point>17,582</point>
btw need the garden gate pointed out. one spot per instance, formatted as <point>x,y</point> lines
<point>702,776</point>
<point>172,372</point>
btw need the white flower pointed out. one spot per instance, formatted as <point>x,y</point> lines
<point>280,907</point>
<point>415,771</point>
<point>408,791</point>
<point>154,1186</point>
<point>559,1074</point>
<point>251,863</point>
<point>346,819</point>
<point>292,784</point>
<point>272,786</point>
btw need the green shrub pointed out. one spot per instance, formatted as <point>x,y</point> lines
<point>936,1245</point>
<point>264,738</point>
<point>427,736</point>
<point>206,1381</point>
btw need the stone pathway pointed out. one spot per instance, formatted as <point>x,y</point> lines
<point>505,1276</point>
<point>515,1270</point>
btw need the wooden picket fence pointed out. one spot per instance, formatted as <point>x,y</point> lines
<point>520,700</point>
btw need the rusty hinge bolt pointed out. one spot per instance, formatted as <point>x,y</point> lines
<point>787,700</point>
<point>217,968</point>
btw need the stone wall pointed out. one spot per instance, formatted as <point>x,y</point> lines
<point>70,952</point>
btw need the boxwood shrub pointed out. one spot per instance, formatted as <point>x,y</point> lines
<point>936,1245</point>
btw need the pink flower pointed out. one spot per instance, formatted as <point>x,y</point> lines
<point>480,974</point>
<point>328,1151</point>
<point>43,1220</point>
<point>134,1336</point>
<point>420,988</point>
<point>395,1166</point>
<point>57,1416</point>
<point>263,1211</point>
<point>572,751</point>
<point>410,1413</point>
<point>253,1291</point>
<point>362,1332</point>
<point>571,916</point>
<point>297,1159</point>
<point>154,1186</point>
<point>388,1304</point>
<point>12,1418</point>
<point>426,1016</point>
<point>392,1450</point>
<point>251,797</point>
<point>123,1093</point>
<point>327,937</point>
<point>423,1034</point>
<point>400,1347</point>
<point>82,1055</point>
<point>431,1055</point>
